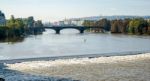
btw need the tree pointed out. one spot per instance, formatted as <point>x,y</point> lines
<point>19,23</point>
<point>16,27</point>
<point>11,23</point>
<point>125,26</point>
<point>138,26</point>
<point>148,30</point>
<point>38,23</point>
<point>88,23</point>
<point>116,26</point>
<point>2,32</point>
<point>103,23</point>
<point>30,21</point>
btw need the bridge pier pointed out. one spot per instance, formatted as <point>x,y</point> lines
<point>81,31</point>
<point>57,31</point>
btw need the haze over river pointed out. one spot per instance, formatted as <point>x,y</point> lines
<point>70,42</point>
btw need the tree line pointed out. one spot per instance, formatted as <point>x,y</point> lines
<point>138,26</point>
<point>18,27</point>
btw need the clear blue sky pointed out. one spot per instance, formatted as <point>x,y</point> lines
<point>53,10</point>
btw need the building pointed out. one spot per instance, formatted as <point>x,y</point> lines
<point>61,23</point>
<point>2,19</point>
<point>67,22</point>
<point>77,22</point>
<point>70,22</point>
<point>48,24</point>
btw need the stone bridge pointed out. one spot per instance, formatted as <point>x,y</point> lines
<point>80,28</point>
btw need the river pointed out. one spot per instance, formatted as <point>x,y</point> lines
<point>70,42</point>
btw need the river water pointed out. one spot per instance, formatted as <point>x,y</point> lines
<point>70,42</point>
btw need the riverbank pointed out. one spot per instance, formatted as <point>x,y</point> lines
<point>114,68</point>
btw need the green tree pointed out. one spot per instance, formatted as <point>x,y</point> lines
<point>2,32</point>
<point>11,23</point>
<point>30,21</point>
<point>88,23</point>
<point>38,23</point>
<point>19,23</point>
<point>16,27</point>
<point>103,23</point>
<point>148,30</point>
<point>137,26</point>
<point>125,26</point>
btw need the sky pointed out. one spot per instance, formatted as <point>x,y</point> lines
<point>54,10</point>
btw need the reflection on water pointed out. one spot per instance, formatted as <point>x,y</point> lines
<point>70,42</point>
<point>12,40</point>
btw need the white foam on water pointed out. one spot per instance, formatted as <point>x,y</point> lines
<point>115,68</point>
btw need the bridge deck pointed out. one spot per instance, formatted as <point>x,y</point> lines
<point>74,27</point>
<point>80,28</point>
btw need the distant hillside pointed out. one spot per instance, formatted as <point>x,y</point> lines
<point>109,17</point>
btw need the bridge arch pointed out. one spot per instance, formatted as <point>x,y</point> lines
<point>50,31</point>
<point>78,29</point>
